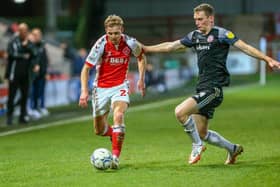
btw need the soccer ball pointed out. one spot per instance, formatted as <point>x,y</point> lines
<point>101,158</point>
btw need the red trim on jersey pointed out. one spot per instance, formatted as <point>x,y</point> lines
<point>89,64</point>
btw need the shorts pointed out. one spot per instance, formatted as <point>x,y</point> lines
<point>207,100</point>
<point>103,98</point>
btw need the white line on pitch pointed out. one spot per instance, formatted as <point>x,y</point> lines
<point>77,119</point>
<point>131,109</point>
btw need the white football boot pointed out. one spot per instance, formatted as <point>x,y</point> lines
<point>115,162</point>
<point>196,153</point>
<point>231,158</point>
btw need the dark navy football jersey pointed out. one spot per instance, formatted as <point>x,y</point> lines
<point>212,51</point>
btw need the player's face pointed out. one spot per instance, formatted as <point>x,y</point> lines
<point>203,22</point>
<point>114,33</point>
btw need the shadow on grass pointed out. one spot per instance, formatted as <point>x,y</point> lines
<point>178,164</point>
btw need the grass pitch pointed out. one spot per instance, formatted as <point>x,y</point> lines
<point>155,148</point>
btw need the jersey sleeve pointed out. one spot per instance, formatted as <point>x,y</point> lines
<point>96,52</point>
<point>226,36</point>
<point>187,40</point>
<point>134,45</point>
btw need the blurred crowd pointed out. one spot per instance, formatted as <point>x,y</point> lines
<point>25,74</point>
<point>26,63</point>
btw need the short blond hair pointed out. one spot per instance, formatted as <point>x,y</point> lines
<point>113,20</point>
<point>207,8</point>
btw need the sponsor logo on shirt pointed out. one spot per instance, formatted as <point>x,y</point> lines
<point>115,61</point>
<point>200,47</point>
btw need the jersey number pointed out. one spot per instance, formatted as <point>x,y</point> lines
<point>123,92</point>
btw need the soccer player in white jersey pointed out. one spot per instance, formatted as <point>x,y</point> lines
<point>110,55</point>
<point>211,44</point>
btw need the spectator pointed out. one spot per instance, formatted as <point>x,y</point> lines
<point>39,82</point>
<point>21,56</point>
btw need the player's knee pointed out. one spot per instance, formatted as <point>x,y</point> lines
<point>181,117</point>
<point>98,132</point>
<point>177,112</point>
<point>202,133</point>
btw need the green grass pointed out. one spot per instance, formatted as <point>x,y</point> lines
<point>155,148</point>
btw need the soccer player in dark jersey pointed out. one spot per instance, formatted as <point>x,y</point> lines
<point>211,44</point>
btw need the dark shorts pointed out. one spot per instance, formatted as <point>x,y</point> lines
<point>207,100</point>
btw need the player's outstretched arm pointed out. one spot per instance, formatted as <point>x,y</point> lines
<point>164,47</point>
<point>84,86</point>
<point>142,68</point>
<point>248,49</point>
<point>142,61</point>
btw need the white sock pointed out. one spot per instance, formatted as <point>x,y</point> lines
<point>216,139</point>
<point>191,130</point>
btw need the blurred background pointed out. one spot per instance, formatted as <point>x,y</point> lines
<point>71,27</point>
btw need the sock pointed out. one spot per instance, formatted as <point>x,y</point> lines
<point>216,139</point>
<point>107,130</point>
<point>191,130</point>
<point>117,139</point>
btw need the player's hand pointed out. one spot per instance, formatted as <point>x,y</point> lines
<point>36,68</point>
<point>83,100</point>
<point>26,56</point>
<point>273,64</point>
<point>141,87</point>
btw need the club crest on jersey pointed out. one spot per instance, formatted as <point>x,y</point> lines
<point>210,38</point>
<point>126,51</point>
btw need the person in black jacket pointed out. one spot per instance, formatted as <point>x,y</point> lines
<point>21,61</point>
<point>39,82</point>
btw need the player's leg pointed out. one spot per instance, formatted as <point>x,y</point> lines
<point>120,102</point>
<point>101,126</point>
<point>198,149</point>
<point>100,110</point>
<point>184,113</point>
<point>210,136</point>
<point>214,138</point>
<point>118,134</point>
<point>207,108</point>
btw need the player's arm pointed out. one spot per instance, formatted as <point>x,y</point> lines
<point>141,68</point>
<point>142,61</point>
<point>164,47</point>
<point>84,85</point>
<point>92,59</point>
<point>249,50</point>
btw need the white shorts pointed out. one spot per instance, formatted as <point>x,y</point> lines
<point>103,98</point>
